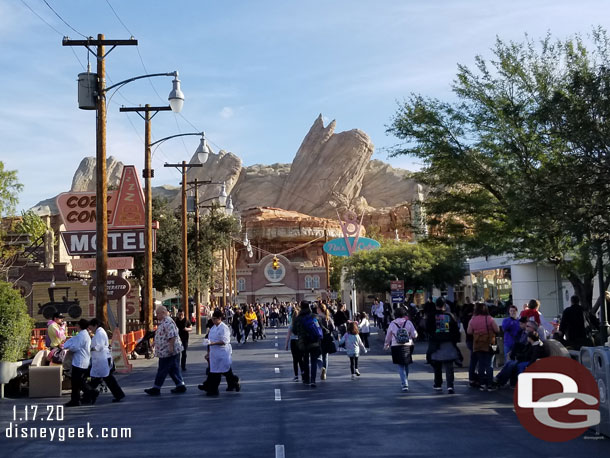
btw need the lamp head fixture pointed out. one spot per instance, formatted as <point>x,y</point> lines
<point>203,150</point>
<point>222,198</point>
<point>176,97</point>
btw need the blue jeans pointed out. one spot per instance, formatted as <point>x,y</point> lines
<point>403,371</point>
<point>484,367</point>
<point>310,364</point>
<point>323,361</point>
<point>169,366</point>
<point>474,360</point>
<point>510,372</point>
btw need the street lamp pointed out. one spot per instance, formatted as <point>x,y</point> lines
<point>202,153</point>
<point>92,96</point>
<point>184,167</point>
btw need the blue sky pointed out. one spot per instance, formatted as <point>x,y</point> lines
<point>255,74</point>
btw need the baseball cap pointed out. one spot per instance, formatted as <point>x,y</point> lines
<point>57,315</point>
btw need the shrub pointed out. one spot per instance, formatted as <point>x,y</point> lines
<point>15,324</point>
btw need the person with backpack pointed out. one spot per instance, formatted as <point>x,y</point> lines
<point>353,344</point>
<point>444,334</point>
<point>399,339</point>
<point>309,334</point>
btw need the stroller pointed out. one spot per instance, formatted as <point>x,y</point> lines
<point>143,346</point>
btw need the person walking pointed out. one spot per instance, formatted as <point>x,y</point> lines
<point>219,358</point>
<point>309,333</point>
<point>101,362</point>
<point>575,326</point>
<point>327,345</point>
<point>365,329</point>
<point>341,318</point>
<point>184,328</point>
<point>167,348</point>
<point>400,340</point>
<point>444,334</point>
<point>353,344</point>
<point>483,329</point>
<point>80,347</point>
<point>292,342</point>
<point>250,317</point>
<point>237,324</point>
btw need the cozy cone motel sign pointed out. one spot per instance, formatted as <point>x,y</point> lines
<point>125,218</point>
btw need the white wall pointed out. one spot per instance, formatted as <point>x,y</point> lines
<point>537,281</point>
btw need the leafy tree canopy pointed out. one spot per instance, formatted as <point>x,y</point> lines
<point>519,162</point>
<point>421,265</point>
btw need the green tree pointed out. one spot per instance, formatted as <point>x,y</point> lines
<point>215,232</point>
<point>9,189</point>
<point>15,324</point>
<point>31,224</point>
<point>508,164</point>
<point>419,265</point>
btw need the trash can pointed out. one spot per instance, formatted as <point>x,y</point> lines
<point>601,371</point>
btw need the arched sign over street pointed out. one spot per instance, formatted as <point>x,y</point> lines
<point>338,247</point>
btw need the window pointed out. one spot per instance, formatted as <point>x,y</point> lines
<point>316,282</point>
<point>274,276</point>
<point>241,284</point>
<point>308,282</point>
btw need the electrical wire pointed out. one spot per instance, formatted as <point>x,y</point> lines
<point>62,19</point>
<point>41,18</point>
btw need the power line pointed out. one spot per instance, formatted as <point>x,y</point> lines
<point>117,16</point>
<point>41,18</point>
<point>62,19</point>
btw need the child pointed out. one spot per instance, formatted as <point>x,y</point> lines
<point>365,330</point>
<point>353,344</point>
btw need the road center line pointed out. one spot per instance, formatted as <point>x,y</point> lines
<point>277,356</point>
<point>277,370</point>
<point>278,394</point>
<point>279,451</point>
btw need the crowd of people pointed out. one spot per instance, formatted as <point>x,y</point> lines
<point>319,329</point>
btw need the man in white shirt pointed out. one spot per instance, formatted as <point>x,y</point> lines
<point>80,346</point>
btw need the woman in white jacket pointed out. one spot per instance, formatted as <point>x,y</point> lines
<point>101,362</point>
<point>219,358</point>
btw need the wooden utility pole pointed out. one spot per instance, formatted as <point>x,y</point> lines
<point>101,181</point>
<point>183,167</point>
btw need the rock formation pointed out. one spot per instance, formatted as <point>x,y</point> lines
<point>330,169</point>
<point>84,178</point>
<point>327,171</point>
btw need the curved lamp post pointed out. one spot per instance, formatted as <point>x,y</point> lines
<point>95,94</point>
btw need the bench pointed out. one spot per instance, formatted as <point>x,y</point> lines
<point>45,379</point>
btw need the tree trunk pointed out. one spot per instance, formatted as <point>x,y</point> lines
<point>583,288</point>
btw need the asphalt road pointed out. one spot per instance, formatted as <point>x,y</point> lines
<point>366,417</point>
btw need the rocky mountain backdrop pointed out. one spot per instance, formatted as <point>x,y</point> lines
<point>331,171</point>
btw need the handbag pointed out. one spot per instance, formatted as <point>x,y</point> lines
<point>328,344</point>
<point>485,342</point>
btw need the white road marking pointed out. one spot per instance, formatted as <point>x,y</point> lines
<point>277,356</point>
<point>279,451</point>
<point>276,344</point>
<point>276,337</point>
<point>278,394</point>
<point>277,370</point>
